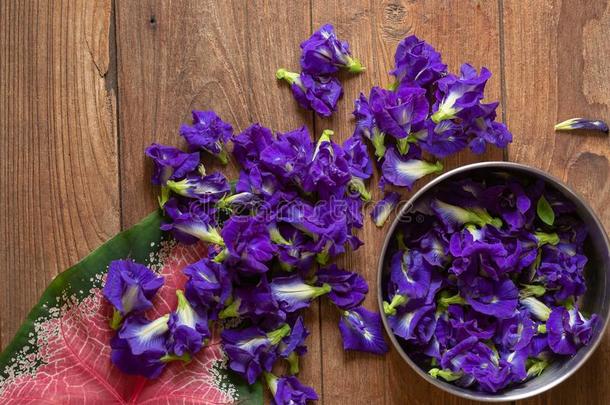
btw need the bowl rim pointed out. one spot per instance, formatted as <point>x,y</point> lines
<point>463,393</point>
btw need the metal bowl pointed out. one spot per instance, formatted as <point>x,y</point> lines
<point>596,299</point>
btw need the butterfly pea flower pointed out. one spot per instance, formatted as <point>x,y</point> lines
<point>188,327</point>
<point>208,286</point>
<point>490,297</point>
<point>403,171</point>
<point>568,330</point>
<point>453,216</point>
<point>328,169</point>
<point>129,287</point>
<point>208,133</point>
<point>292,346</point>
<point>467,322</point>
<point>254,302</point>
<point>357,157</point>
<point>314,93</point>
<point>248,243</point>
<point>382,210</point>
<point>417,63</point>
<point>410,273</point>
<point>289,390</point>
<point>323,53</point>
<point>510,201</point>
<point>399,112</point>
<point>366,125</point>
<point>562,271</point>
<point>582,123</point>
<point>190,224</point>
<point>293,294</point>
<point>170,163</point>
<point>414,323</point>
<point>289,156</point>
<point>348,289</point>
<point>517,332</point>
<point>249,144</point>
<point>442,139</point>
<point>482,129</point>
<point>456,95</point>
<point>252,350</point>
<point>206,189</point>
<point>361,330</point>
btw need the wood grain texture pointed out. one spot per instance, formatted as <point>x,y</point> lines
<point>373,30</point>
<point>58,154</point>
<point>556,68</point>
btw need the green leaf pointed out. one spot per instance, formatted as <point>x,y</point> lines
<point>545,211</point>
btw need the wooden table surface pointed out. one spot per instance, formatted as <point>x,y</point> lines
<point>86,85</point>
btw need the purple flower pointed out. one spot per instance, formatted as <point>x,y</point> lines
<point>382,210</point>
<point>569,330</point>
<point>517,332</point>
<point>410,273</point>
<point>399,112</point>
<point>208,188</point>
<point>510,201</point>
<point>328,170</point>
<point>188,327</point>
<point>582,123</point>
<point>456,95</point>
<point>562,270</point>
<point>293,345</point>
<point>190,224</point>
<point>417,63</point>
<point>289,390</point>
<point>140,347</point>
<point>453,216</point>
<point>208,287</point>
<point>467,322</point>
<point>251,350</point>
<point>315,93</point>
<point>248,244</point>
<point>414,323</point>
<point>404,171</point>
<point>482,129</point>
<point>129,287</point>
<point>366,125</point>
<point>289,156</point>
<point>443,139</point>
<point>361,330</point>
<point>357,157</point>
<point>248,145</point>
<point>491,297</point>
<point>292,293</point>
<point>208,133</point>
<point>323,53</point>
<point>348,289</point>
<point>170,163</point>
<point>254,302</point>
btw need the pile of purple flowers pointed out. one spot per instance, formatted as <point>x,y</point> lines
<point>484,292</point>
<point>317,88</point>
<point>295,206</point>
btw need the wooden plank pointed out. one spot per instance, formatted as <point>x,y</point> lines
<point>462,32</point>
<point>205,55</point>
<point>556,68</point>
<point>58,154</point>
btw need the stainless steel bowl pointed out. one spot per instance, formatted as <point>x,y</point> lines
<point>597,298</point>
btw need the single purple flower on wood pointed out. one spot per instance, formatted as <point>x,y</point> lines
<point>248,145</point>
<point>328,170</point>
<point>582,123</point>
<point>170,163</point>
<point>324,53</point>
<point>208,188</point>
<point>315,93</point>
<point>417,63</point>
<point>129,287</point>
<point>357,157</point>
<point>208,133</point>
<point>289,390</point>
<point>361,330</point>
<point>348,289</point>
<point>404,171</point>
<point>292,293</point>
<point>366,125</point>
<point>443,139</point>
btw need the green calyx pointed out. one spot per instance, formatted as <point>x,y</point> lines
<point>220,257</point>
<point>446,375</point>
<point>541,328</point>
<point>444,113</point>
<point>164,196</point>
<point>276,236</point>
<point>182,301</point>
<point>180,187</point>
<point>546,238</point>
<point>354,65</point>
<point>445,300</point>
<point>378,141</point>
<point>532,290</point>
<point>537,308</point>
<point>290,77</point>
<point>403,146</point>
<point>389,308</point>
<point>231,310</point>
<point>356,184</point>
<point>186,358</point>
<point>115,321</point>
<point>214,237</point>
<point>293,363</point>
<point>536,367</point>
<point>271,381</point>
<point>276,336</point>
